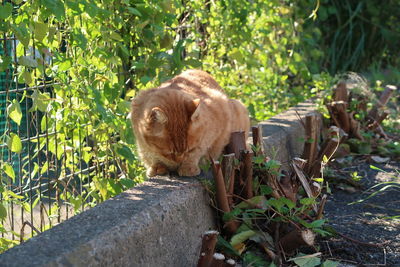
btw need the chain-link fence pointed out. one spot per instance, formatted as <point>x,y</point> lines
<point>46,169</point>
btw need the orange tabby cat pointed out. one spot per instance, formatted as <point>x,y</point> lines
<point>183,120</point>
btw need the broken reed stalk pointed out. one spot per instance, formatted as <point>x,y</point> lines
<point>258,139</point>
<point>375,124</point>
<point>383,100</point>
<point>355,127</point>
<point>218,260</point>
<point>230,262</point>
<point>321,207</point>
<point>310,146</point>
<point>287,187</point>
<point>326,151</point>
<point>304,182</point>
<point>343,117</point>
<point>236,144</point>
<point>333,115</point>
<point>341,92</point>
<point>247,173</point>
<point>207,248</point>
<point>296,239</point>
<point>228,172</point>
<point>222,199</point>
<point>22,233</point>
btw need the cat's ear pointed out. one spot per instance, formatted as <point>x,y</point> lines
<point>192,106</point>
<point>157,115</point>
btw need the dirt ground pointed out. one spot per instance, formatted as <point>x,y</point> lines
<point>367,222</point>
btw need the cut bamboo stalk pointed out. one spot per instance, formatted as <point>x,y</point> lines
<point>228,172</point>
<point>258,139</point>
<point>341,93</point>
<point>301,163</point>
<point>236,144</point>
<point>247,173</point>
<point>355,127</point>
<point>326,151</point>
<point>218,260</point>
<point>383,100</point>
<point>296,239</point>
<point>343,116</point>
<point>321,207</point>
<point>305,183</point>
<point>222,199</point>
<point>230,263</point>
<point>333,115</point>
<point>378,121</point>
<point>310,146</point>
<point>207,248</point>
<point>287,188</point>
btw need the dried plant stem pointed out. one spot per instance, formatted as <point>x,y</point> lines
<point>310,146</point>
<point>222,199</point>
<point>237,143</point>
<point>228,172</point>
<point>247,173</point>
<point>207,248</point>
<point>258,139</point>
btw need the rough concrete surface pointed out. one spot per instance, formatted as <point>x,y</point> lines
<point>157,223</point>
<point>284,133</point>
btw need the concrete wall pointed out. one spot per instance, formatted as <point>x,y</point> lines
<point>157,223</point>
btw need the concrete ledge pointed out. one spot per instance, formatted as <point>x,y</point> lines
<point>158,223</point>
<point>284,133</point>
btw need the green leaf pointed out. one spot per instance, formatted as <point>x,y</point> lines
<point>241,237</point>
<point>265,190</point>
<point>317,223</point>
<point>8,169</point>
<point>5,10</point>
<point>128,183</point>
<point>306,260</point>
<point>307,201</point>
<point>3,212</point>
<point>376,168</point>
<point>134,11</point>
<point>56,7</point>
<point>40,30</point>
<point>225,246</point>
<point>125,152</point>
<point>28,61</point>
<point>276,203</point>
<point>5,62</point>
<point>22,34</point>
<point>259,201</point>
<point>288,202</point>
<point>14,143</point>
<point>27,77</point>
<point>329,263</point>
<point>14,112</point>
<point>40,101</point>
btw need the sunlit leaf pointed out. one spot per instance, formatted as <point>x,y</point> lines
<point>5,10</point>
<point>14,111</point>
<point>8,169</point>
<point>3,212</point>
<point>241,237</point>
<point>14,143</point>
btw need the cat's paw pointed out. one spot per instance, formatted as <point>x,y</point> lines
<point>188,170</point>
<point>157,169</point>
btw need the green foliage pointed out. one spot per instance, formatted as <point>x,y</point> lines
<point>354,34</point>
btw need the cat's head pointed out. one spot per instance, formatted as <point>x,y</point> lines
<point>163,119</point>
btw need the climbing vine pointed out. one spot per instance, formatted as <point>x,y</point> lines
<point>73,67</point>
